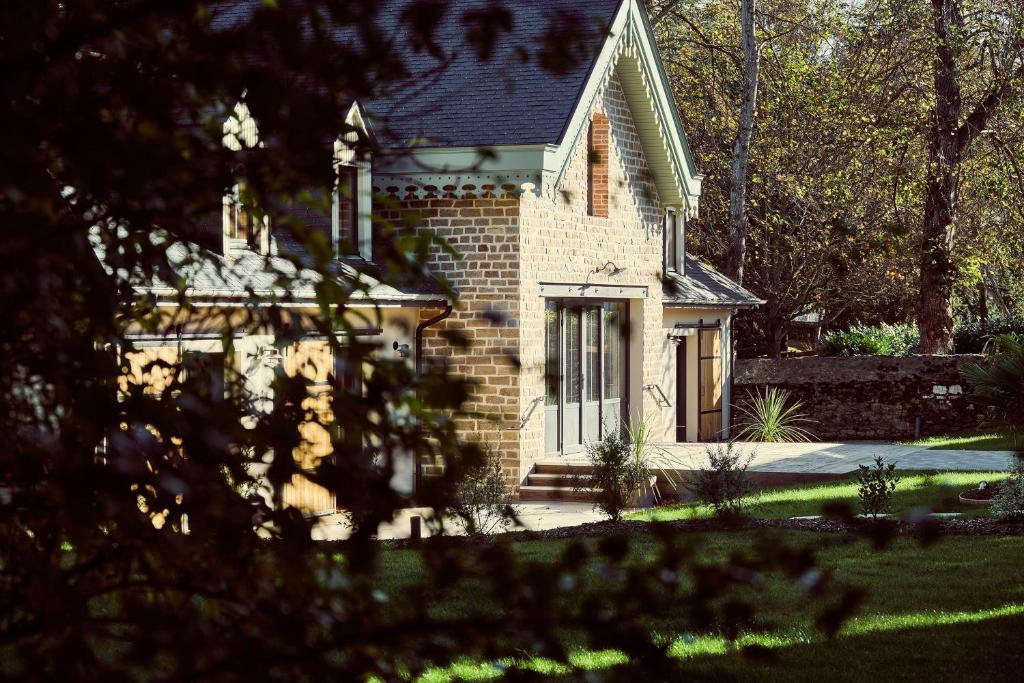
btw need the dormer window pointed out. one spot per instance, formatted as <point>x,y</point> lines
<point>243,228</point>
<point>674,246</point>
<point>238,220</point>
<point>346,211</point>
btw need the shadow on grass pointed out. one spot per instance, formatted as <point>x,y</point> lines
<point>937,646</point>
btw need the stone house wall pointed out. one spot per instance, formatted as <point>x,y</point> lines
<point>482,228</point>
<point>510,240</point>
<point>871,397</point>
<point>560,243</point>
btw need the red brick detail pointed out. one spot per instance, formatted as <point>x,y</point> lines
<point>597,174</point>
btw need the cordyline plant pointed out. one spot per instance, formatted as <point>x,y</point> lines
<point>113,116</point>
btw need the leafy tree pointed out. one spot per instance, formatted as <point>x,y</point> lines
<point>114,123</point>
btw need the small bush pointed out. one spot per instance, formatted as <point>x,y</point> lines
<point>617,475</point>
<point>1009,502</point>
<point>999,382</point>
<point>483,500</point>
<point>771,418</point>
<point>974,337</point>
<point>901,339</point>
<point>876,486</point>
<point>724,483</point>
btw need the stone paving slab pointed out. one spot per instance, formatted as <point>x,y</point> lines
<point>534,516</point>
<point>840,458</point>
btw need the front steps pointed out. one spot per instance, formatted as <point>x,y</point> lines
<point>556,481</point>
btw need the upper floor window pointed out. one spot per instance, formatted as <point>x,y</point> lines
<point>243,227</point>
<point>597,166</point>
<point>346,209</point>
<point>674,246</point>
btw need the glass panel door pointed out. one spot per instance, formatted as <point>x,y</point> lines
<point>585,373</point>
<point>613,371</point>
<point>572,377</point>
<point>592,374</point>
<point>552,375</point>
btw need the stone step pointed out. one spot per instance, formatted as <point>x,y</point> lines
<point>556,467</point>
<point>562,480</point>
<point>554,493</point>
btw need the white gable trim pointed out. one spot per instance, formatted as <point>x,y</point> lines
<point>630,52</point>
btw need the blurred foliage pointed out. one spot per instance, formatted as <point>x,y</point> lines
<point>112,116</point>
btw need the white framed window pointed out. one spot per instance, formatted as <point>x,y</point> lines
<point>242,227</point>
<point>350,205</point>
<point>674,234</point>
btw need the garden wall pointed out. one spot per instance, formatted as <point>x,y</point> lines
<point>871,397</point>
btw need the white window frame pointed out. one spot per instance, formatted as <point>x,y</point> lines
<point>674,259</point>
<point>344,157</point>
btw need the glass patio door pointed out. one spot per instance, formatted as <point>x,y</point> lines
<point>584,373</point>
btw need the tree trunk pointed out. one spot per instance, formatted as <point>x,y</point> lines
<point>736,253</point>
<point>949,137</point>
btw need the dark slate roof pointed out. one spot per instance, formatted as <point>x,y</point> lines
<point>702,285</point>
<point>459,100</point>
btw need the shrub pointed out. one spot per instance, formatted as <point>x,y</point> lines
<point>974,337</point>
<point>1009,502</point>
<point>999,383</point>
<point>769,417</point>
<point>724,483</point>
<point>483,500</point>
<point>876,486</point>
<point>901,339</point>
<point>617,475</point>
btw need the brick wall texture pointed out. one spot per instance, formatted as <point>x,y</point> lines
<point>510,242</point>
<point>871,397</point>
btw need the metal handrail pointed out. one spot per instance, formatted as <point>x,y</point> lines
<point>663,398</point>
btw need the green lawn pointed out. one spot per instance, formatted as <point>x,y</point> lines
<point>935,492</point>
<point>975,441</point>
<point>951,611</point>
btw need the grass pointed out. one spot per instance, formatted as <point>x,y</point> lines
<point>972,441</point>
<point>934,492</point>
<point>952,611</point>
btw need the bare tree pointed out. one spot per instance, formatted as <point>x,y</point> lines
<point>736,253</point>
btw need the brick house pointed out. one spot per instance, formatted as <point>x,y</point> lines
<point>583,308</point>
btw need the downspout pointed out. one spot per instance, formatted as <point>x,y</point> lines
<point>418,473</point>
<point>419,334</point>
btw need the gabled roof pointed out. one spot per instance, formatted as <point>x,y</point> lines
<point>516,102</point>
<point>507,99</point>
<point>702,285</point>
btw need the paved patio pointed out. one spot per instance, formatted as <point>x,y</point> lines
<point>838,458</point>
<point>534,516</point>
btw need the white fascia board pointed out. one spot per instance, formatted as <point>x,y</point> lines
<point>496,159</point>
<point>631,40</point>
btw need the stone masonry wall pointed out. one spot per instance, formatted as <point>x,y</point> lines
<point>560,243</point>
<point>870,397</point>
<point>482,227</point>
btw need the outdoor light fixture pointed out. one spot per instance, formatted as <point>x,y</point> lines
<point>615,269</point>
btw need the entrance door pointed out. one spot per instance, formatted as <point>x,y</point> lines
<point>584,373</point>
<point>709,374</point>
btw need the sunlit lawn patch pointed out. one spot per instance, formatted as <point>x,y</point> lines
<point>974,441</point>
<point>934,492</point>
